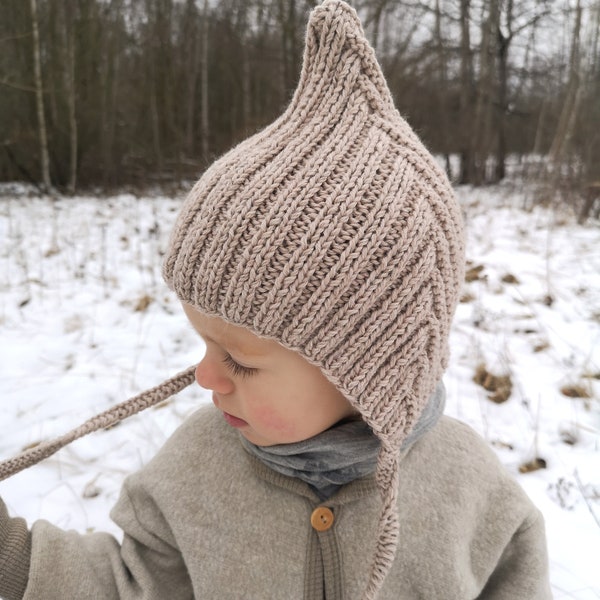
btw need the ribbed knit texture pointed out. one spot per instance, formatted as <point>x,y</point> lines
<point>15,552</point>
<point>334,232</point>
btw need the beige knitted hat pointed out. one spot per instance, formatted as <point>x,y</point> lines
<point>334,232</point>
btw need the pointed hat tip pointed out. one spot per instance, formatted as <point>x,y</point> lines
<point>334,31</point>
<point>335,15</point>
<point>336,10</point>
<point>332,4</point>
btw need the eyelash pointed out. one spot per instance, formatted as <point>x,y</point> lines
<point>237,369</point>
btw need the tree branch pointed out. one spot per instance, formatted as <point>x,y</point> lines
<point>17,86</point>
<point>17,36</point>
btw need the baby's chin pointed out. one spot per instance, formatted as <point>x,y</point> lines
<point>265,441</point>
<point>259,440</point>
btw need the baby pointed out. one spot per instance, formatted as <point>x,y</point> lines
<point>320,261</point>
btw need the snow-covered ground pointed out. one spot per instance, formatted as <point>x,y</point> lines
<point>86,322</point>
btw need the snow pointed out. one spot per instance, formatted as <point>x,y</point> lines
<point>86,322</point>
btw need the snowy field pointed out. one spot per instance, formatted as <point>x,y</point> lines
<point>86,322</point>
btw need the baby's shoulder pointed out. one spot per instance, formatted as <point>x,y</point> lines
<point>453,452</point>
<point>451,472</point>
<point>453,429</point>
<point>455,439</point>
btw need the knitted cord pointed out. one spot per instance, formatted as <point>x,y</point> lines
<point>105,419</point>
<point>387,475</point>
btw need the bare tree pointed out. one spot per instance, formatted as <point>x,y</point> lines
<point>243,27</point>
<point>204,83</point>
<point>191,46</point>
<point>290,46</point>
<point>110,88</point>
<point>466,94</point>
<point>133,90</point>
<point>68,46</point>
<point>442,58</point>
<point>571,103</point>
<point>39,95</point>
<point>376,9</point>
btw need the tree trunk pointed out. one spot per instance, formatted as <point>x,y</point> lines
<point>559,143</point>
<point>443,84</point>
<point>37,70</point>
<point>204,83</point>
<point>376,14</point>
<point>155,120</point>
<point>466,152</point>
<point>246,41</point>
<point>191,46</point>
<point>482,130</point>
<point>69,56</point>
<point>501,107</point>
<point>289,50</point>
<point>111,50</point>
<point>503,42</point>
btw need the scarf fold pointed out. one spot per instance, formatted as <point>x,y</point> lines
<point>341,454</point>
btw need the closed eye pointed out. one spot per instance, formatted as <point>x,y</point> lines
<point>237,369</point>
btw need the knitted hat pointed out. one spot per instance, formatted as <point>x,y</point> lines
<point>334,232</point>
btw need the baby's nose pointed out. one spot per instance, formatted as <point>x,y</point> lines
<point>212,376</point>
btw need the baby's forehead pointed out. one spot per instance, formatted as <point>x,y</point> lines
<point>242,340</point>
<point>233,337</point>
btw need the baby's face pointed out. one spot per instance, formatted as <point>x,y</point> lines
<point>271,394</point>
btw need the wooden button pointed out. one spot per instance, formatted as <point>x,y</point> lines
<point>321,518</point>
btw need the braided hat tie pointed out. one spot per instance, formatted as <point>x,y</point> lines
<point>108,418</point>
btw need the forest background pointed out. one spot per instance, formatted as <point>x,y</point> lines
<point>110,109</point>
<point>112,93</point>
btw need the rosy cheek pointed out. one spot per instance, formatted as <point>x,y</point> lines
<point>273,421</point>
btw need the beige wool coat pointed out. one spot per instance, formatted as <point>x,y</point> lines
<point>206,520</point>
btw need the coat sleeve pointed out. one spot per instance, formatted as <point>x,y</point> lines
<point>15,554</point>
<point>522,571</point>
<point>147,564</point>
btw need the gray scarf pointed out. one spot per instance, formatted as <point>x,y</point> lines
<point>344,452</point>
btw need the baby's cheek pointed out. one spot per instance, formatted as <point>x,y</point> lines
<point>274,421</point>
